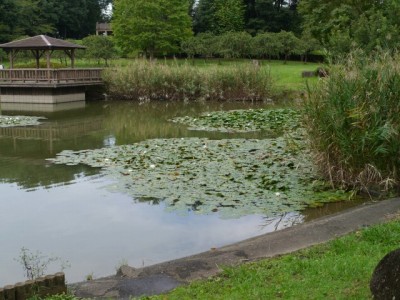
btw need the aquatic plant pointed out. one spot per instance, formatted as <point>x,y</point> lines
<point>268,120</point>
<point>233,177</point>
<point>12,121</point>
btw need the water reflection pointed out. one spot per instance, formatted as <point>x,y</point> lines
<point>64,211</point>
<point>94,230</point>
<point>282,221</point>
<point>23,150</point>
<point>35,107</point>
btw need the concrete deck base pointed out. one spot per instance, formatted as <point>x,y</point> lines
<point>41,95</point>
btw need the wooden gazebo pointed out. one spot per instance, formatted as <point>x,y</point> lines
<point>40,45</point>
<point>45,85</point>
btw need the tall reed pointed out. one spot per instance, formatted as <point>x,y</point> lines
<point>145,80</point>
<point>353,122</point>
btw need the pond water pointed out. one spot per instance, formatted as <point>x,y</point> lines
<point>66,211</point>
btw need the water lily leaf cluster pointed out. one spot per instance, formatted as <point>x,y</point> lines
<point>269,120</point>
<point>233,177</point>
<point>12,121</point>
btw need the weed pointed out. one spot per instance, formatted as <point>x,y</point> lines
<point>35,264</point>
<point>144,80</point>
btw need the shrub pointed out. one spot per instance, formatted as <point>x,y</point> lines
<point>352,117</point>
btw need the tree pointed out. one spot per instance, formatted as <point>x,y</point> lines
<point>266,45</point>
<point>341,24</point>
<point>191,46</point>
<point>307,44</point>
<point>99,47</point>
<point>219,16</point>
<point>234,44</point>
<point>229,15</point>
<point>271,16</point>
<point>32,19</point>
<point>154,27</point>
<point>290,44</point>
<point>207,44</point>
<point>375,30</point>
<point>8,17</point>
<point>59,18</point>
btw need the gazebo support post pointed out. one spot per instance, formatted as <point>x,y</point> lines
<point>11,56</point>
<point>37,57</point>
<point>72,58</point>
<point>48,56</point>
<point>71,55</point>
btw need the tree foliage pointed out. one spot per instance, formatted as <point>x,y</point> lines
<point>219,16</point>
<point>234,45</point>
<point>341,25</point>
<point>99,47</point>
<point>272,16</point>
<point>154,27</point>
<point>242,45</point>
<point>266,45</point>
<point>58,18</point>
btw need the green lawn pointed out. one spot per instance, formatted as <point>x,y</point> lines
<point>286,76</point>
<point>340,269</point>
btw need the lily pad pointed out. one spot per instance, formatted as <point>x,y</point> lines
<point>270,120</point>
<point>13,121</point>
<point>233,177</point>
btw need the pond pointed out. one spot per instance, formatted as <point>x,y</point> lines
<point>68,211</point>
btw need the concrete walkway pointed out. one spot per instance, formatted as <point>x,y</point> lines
<point>163,277</point>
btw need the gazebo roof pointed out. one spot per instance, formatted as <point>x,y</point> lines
<point>41,42</point>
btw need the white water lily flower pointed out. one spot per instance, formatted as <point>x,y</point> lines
<point>152,166</point>
<point>277,194</point>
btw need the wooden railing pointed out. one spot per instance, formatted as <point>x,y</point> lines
<point>50,76</point>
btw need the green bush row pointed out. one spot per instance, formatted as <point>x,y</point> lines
<point>353,120</point>
<point>147,80</point>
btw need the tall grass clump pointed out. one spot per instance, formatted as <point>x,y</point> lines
<point>146,80</point>
<point>353,121</point>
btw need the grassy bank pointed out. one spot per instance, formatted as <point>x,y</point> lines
<point>340,269</point>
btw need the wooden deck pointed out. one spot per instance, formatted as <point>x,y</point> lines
<point>50,78</point>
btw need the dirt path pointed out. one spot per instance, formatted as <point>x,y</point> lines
<point>163,277</point>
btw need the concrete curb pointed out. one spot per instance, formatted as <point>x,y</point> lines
<point>163,277</point>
